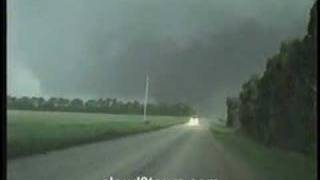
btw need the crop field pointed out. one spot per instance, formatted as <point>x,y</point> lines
<point>30,132</point>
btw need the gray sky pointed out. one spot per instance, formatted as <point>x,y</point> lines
<point>195,51</point>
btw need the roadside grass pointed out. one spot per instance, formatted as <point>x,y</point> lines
<point>30,132</point>
<point>268,163</point>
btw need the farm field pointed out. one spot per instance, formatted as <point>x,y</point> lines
<point>31,132</point>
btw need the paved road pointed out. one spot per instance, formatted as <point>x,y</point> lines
<point>182,151</point>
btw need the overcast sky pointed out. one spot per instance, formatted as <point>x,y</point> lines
<point>195,51</point>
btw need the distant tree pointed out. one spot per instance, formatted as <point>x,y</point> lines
<point>34,103</point>
<point>137,107</point>
<point>107,105</point>
<point>41,102</point>
<point>24,103</point>
<point>62,103</point>
<point>91,106</point>
<point>76,104</point>
<point>51,104</point>
<point>232,112</point>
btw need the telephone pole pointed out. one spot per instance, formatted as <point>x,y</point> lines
<point>146,100</point>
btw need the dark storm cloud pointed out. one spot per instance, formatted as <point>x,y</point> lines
<point>194,51</point>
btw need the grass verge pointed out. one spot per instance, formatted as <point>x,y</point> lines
<point>30,132</point>
<point>268,163</point>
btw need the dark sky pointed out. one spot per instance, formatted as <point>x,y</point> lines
<point>195,51</point>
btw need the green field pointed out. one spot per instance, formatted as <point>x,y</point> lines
<point>268,163</point>
<point>30,132</point>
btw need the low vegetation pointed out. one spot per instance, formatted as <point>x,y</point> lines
<point>31,132</point>
<point>267,163</point>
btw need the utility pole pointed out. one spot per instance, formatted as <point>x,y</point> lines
<point>146,101</point>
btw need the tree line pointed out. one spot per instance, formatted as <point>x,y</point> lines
<point>106,105</point>
<point>278,108</point>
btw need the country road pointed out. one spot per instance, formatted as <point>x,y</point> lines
<point>182,151</point>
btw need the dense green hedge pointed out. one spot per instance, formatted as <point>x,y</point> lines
<point>279,107</point>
